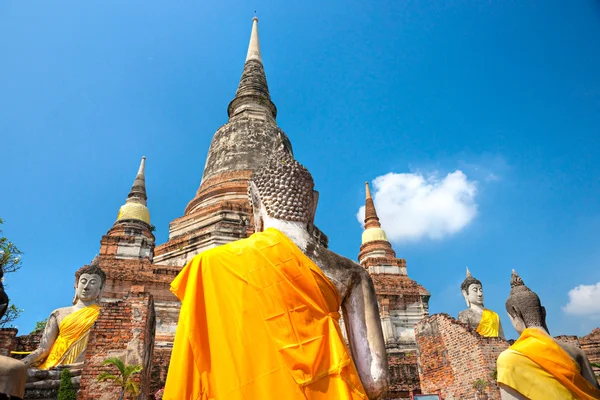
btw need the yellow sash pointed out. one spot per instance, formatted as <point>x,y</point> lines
<point>537,367</point>
<point>258,319</point>
<point>72,338</point>
<point>489,325</point>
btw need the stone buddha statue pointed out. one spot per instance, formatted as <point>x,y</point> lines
<point>484,321</point>
<point>284,293</point>
<point>65,336</point>
<point>536,366</point>
<point>13,372</point>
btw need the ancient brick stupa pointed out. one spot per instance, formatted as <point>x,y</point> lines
<point>402,302</point>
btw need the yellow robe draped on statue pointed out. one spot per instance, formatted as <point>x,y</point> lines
<point>538,368</point>
<point>258,320</point>
<point>72,338</point>
<point>489,326</point>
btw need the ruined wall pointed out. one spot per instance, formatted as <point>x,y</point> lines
<point>26,343</point>
<point>590,344</point>
<point>124,329</point>
<point>404,375</point>
<point>8,340</point>
<point>160,367</point>
<point>453,356</point>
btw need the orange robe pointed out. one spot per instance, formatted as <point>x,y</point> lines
<point>538,368</point>
<point>258,320</point>
<point>72,338</point>
<point>489,326</point>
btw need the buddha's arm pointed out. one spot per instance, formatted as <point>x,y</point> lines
<point>508,393</point>
<point>586,370</point>
<point>48,338</point>
<point>361,316</point>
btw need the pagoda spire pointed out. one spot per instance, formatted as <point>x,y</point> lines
<point>137,194</point>
<point>254,46</point>
<point>252,98</point>
<point>135,205</point>
<point>371,218</point>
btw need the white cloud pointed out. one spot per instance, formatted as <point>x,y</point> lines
<point>584,300</point>
<point>414,206</point>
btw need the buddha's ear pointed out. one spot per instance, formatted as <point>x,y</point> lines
<point>313,211</point>
<point>256,206</point>
<point>518,319</point>
<point>466,297</point>
<point>101,292</point>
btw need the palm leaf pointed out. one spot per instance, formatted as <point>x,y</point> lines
<point>132,387</point>
<point>132,370</point>
<point>105,376</point>
<point>117,362</point>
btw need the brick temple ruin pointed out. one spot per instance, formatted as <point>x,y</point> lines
<point>139,315</point>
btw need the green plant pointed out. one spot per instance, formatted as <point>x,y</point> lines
<point>124,377</point>
<point>39,326</point>
<point>66,390</point>
<point>10,261</point>
<point>480,385</point>
<point>494,374</point>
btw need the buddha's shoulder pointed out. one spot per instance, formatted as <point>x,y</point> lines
<point>62,312</point>
<point>336,261</point>
<point>573,351</point>
<point>509,356</point>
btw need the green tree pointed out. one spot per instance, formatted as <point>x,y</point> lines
<point>10,261</point>
<point>66,390</point>
<point>124,377</point>
<point>39,326</point>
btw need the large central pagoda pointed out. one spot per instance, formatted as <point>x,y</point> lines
<point>220,211</point>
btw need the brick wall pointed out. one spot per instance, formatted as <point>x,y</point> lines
<point>160,367</point>
<point>27,343</point>
<point>570,339</point>
<point>404,375</point>
<point>453,356</point>
<point>590,344</point>
<point>8,339</point>
<point>124,329</point>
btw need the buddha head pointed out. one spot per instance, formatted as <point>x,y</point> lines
<point>523,306</point>
<point>89,284</point>
<point>472,290</point>
<point>282,188</point>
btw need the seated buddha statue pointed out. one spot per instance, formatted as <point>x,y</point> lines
<point>536,366</point>
<point>484,321</point>
<point>65,336</point>
<point>260,316</point>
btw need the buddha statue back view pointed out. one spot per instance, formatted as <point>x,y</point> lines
<point>270,303</point>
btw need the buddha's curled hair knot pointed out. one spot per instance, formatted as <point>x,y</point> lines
<point>516,280</point>
<point>469,280</point>
<point>285,187</point>
<point>526,301</point>
<point>92,269</point>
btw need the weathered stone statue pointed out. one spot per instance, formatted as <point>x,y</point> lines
<point>486,322</point>
<point>536,366</point>
<point>271,305</point>
<point>66,334</point>
<point>12,372</point>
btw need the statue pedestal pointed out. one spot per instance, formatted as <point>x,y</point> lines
<point>453,357</point>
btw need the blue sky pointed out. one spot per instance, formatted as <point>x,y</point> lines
<point>506,93</point>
